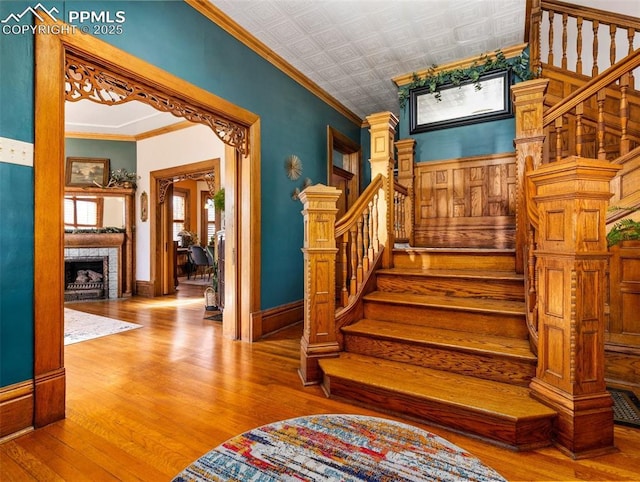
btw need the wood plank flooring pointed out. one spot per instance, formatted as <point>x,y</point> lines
<point>143,404</point>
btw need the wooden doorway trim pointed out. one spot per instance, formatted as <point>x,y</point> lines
<point>351,163</point>
<point>50,53</point>
<point>161,267</point>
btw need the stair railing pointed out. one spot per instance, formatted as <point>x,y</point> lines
<point>356,235</point>
<point>400,197</point>
<point>531,275</point>
<point>339,257</point>
<point>589,108</point>
<point>553,22</point>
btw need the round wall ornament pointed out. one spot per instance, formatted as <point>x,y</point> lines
<point>293,167</point>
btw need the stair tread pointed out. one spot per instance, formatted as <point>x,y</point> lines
<point>426,249</point>
<point>451,302</point>
<point>454,273</point>
<point>429,336</point>
<point>483,396</point>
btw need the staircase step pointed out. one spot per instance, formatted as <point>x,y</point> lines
<point>469,283</point>
<point>484,316</point>
<point>498,412</point>
<point>502,359</point>
<point>454,258</point>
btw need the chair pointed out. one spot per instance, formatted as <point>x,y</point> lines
<point>200,260</point>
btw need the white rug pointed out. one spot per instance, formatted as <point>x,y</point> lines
<point>80,326</point>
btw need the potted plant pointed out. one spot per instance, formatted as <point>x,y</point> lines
<point>123,178</point>
<point>626,229</point>
<point>218,200</point>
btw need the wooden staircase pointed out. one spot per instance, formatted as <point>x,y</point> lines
<point>443,339</point>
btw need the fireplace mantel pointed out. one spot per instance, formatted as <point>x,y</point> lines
<point>121,241</point>
<point>97,240</point>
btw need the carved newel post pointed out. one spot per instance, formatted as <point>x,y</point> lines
<point>572,198</point>
<point>528,103</point>
<point>382,129</point>
<point>406,164</point>
<point>319,336</point>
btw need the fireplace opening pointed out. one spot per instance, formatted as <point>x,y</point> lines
<point>86,278</point>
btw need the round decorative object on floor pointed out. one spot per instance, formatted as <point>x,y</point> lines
<point>338,447</point>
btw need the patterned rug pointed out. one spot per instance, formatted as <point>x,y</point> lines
<point>337,447</point>
<point>626,408</point>
<point>80,326</point>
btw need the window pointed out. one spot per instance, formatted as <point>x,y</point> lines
<point>180,212</point>
<point>82,212</point>
<point>208,218</point>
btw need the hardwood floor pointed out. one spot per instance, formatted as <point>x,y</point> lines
<point>143,404</point>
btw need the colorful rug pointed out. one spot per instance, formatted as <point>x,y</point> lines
<point>626,408</point>
<point>337,447</point>
<point>80,326</point>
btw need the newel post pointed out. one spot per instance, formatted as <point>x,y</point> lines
<point>572,198</point>
<point>319,335</point>
<point>528,103</point>
<point>382,129</point>
<point>406,162</point>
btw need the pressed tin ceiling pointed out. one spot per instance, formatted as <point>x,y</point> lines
<point>353,48</point>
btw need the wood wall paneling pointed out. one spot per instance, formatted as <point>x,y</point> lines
<point>467,202</point>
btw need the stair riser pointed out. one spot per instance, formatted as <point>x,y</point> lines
<point>512,290</point>
<point>511,325</point>
<point>520,435</point>
<point>500,369</point>
<point>454,260</point>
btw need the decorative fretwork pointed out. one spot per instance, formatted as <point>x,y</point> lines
<point>208,177</point>
<point>85,80</point>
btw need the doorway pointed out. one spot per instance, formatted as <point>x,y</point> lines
<point>344,159</point>
<point>59,59</point>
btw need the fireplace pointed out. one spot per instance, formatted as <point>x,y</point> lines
<point>105,250</point>
<point>86,278</point>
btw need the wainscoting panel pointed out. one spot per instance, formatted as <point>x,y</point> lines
<point>467,202</point>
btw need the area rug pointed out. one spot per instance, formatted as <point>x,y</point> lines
<point>80,326</point>
<point>626,408</point>
<point>337,447</point>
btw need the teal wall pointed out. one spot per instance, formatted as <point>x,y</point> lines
<point>16,273</point>
<point>464,141</point>
<point>176,38</point>
<point>121,154</point>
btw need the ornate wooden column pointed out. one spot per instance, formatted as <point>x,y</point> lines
<point>572,197</point>
<point>319,335</point>
<point>528,102</point>
<point>382,128</point>
<point>406,163</point>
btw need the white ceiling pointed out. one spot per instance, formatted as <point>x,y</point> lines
<point>128,119</point>
<point>352,48</point>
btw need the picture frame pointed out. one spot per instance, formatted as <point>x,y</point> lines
<point>463,104</point>
<point>87,171</point>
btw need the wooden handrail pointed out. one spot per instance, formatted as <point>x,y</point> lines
<point>607,77</point>
<point>351,216</point>
<point>587,13</point>
<point>400,188</point>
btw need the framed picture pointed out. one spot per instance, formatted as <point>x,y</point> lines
<point>87,171</point>
<point>461,104</point>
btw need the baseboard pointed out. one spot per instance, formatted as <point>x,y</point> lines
<point>16,409</point>
<point>273,319</point>
<point>50,397</point>
<point>144,289</point>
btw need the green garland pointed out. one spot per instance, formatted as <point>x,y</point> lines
<point>434,80</point>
